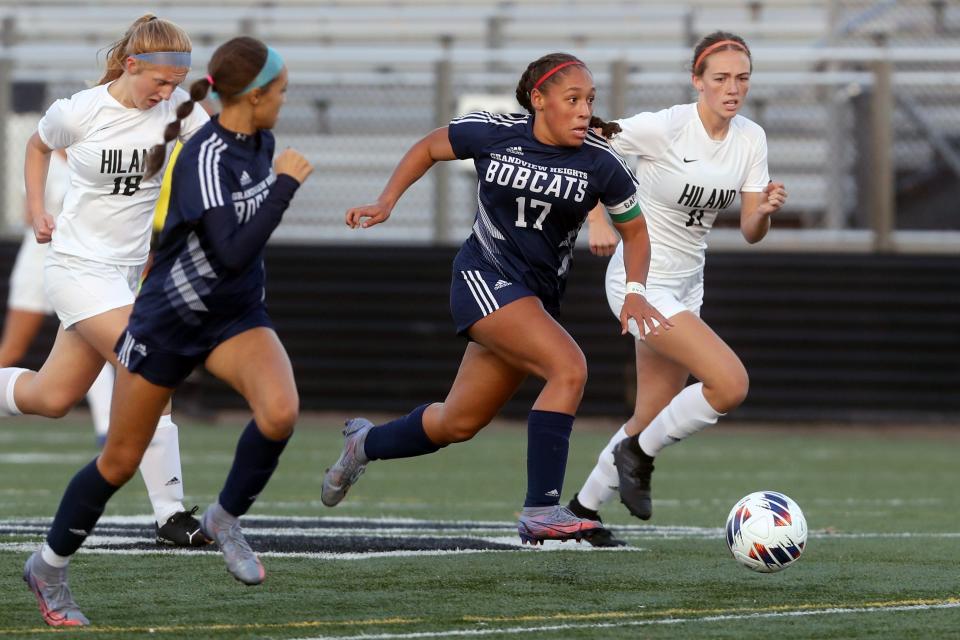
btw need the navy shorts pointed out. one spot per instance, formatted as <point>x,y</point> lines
<point>475,294</point>
<point>167,368</point>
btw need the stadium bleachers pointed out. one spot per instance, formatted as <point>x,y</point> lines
<point>364,78</point>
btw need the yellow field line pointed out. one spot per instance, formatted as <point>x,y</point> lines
<point>192,628</point>
<point>598,615</point>
<point>658,613</point>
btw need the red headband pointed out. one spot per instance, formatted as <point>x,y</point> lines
<point>553,71</point>
<point>714,47</point>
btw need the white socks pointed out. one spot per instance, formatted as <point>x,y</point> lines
<point>686,414</point>
<point>8,379</point>
<point>161,471</point>
<point>603,482</point>
<point>98,397</point>
<point>52,559</point>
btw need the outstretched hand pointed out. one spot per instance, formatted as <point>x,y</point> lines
<point>367,215</point>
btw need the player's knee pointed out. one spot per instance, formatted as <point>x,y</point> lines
<point>572,376</point>
<point>58,404</point>
<point>732,391</point>
<point>462,428</point>
<point>119,465</point>
<point>279,417</point>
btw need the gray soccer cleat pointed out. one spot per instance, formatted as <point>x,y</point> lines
<point>224,529</point>
<point>350,465</point>
<point>554,523</point>
<point>49,585</point>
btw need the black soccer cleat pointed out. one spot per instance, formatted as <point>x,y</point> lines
<point>634,468</point>
<point>182,530</point>
<point>601,537</point>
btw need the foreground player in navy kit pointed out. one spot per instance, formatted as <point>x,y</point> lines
<point>539,175</point>
<point>201,303</point>
<point>693,160</point>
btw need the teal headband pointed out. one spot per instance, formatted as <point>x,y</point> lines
<point>271,69</point>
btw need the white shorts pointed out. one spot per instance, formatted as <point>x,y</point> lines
<point>79,288</point>
<point>668,295</point>
<point>26,279</point>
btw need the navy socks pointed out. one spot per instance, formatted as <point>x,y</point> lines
<point>81,506</point>
<point>254,462</point>
<point>548,441</point>
<point>401,438</point>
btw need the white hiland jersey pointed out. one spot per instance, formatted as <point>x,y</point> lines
<point>108,210</point>
<point>686,179</point>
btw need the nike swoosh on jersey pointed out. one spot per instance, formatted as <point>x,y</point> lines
<point>694,160</point>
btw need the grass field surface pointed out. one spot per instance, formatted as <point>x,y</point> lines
<point>427,548</point>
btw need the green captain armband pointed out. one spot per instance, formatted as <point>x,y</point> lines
<point>626,216</point>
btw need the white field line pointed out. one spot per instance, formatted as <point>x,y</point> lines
<point>393,528</point>
<point>22,547</point>
<point>833,611</point>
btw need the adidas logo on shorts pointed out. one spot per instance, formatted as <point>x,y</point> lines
<point>501,284</point>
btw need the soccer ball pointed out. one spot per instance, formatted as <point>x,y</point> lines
<point>766,531</point>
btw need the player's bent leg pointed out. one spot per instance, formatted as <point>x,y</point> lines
<point>527,338</point>
<point>61,382</point>
<point>483,384</point>
<point>692,347</point>
<point>256,365</point>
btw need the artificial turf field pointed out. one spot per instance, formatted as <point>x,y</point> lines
<point>427,548</point>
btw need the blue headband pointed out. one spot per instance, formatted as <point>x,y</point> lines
<point>166,58</point>
<point>271,69</point>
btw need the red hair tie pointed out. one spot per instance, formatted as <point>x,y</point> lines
<point>553,71</point>
<point>714,47</point>
<point>210,79</point>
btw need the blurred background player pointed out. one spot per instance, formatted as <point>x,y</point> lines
<point>27,304</point>
<point>100,241</point>
<point>540,174</point>
<point>203,302</point>
<point>693,160</point>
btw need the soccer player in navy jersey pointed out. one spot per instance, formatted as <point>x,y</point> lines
<point>202,302</point>
<point>539,176</point>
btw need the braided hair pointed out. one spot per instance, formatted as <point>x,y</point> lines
<point>233,66</point>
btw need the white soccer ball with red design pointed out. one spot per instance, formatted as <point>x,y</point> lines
<point>766,531</point>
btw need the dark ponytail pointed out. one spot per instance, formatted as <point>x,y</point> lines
<point>158,154</point>
<point>232,68</point>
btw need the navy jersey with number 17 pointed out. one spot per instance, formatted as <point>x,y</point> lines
<point>532,198</point>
